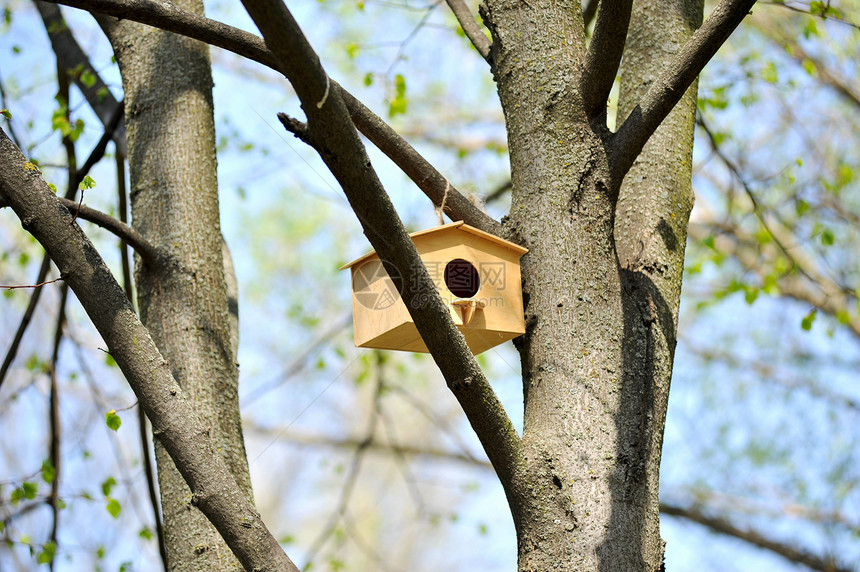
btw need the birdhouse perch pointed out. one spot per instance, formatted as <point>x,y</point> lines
<point>477,275</point>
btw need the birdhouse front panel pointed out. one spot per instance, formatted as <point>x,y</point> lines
<point>476,274</point>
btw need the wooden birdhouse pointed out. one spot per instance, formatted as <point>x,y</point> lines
<point>477,275</point>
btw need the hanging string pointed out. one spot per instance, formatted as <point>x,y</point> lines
<point>441,208</point>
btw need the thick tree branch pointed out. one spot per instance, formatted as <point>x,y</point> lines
<point>668,89</point>
<point>789,552</point>
<point>604,55</point>
<point>589,11</point>
<point>471,28</point>
<point>175,423</point>
<point>334,137</point>
<point>71,57</point>
<point>434,184</point>
<point>113,125</point>
<point>311,440</point>
<point>168,17</point>
<point>132,237</point>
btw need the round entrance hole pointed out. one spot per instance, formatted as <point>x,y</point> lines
<point>462,278</point>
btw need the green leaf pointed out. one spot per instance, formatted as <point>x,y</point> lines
<point>126,566</point>
<point>33,363</point>
<point>30,490</point>
<point>46,556</point>
<point>824,10</point>
<point>27,490</point>
<point>800,207</point>
<point>107,485</point>
<point>145,533</point>
<point>88,78</point>
<point>6,113</point>
<point>53,187</point>
<point>368,79</point>
<point>113,507</point>
<point>112,419</point>
<point>827,238</point>
<point>352,50</point>
<point>769,73</point>
<point>76,130</point>
<point>110,361</point>
<point>87,183</point>
<point>49,472</point>
<point>807,321</point>
<point>398,104</point>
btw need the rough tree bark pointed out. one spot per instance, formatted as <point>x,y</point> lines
<point>650,236</point>
<point>601,314</point>
<point>174,199</point>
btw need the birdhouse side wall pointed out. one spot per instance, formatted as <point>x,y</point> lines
<point>376,304</point>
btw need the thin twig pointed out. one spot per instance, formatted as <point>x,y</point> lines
<point>352,474</point>
<point>778,237</point>
<point>788,551</point>
<point>54,423</point>
<point>802,10</point>
<point>5,105</point>
<point>39,285</point>
<point>28,315</point>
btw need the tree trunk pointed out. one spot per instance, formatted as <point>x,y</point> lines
<point>600,334</point>
<point>651,234</point>
<point>183,299</point>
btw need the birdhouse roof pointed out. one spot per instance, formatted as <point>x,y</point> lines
<point>459,226</point>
